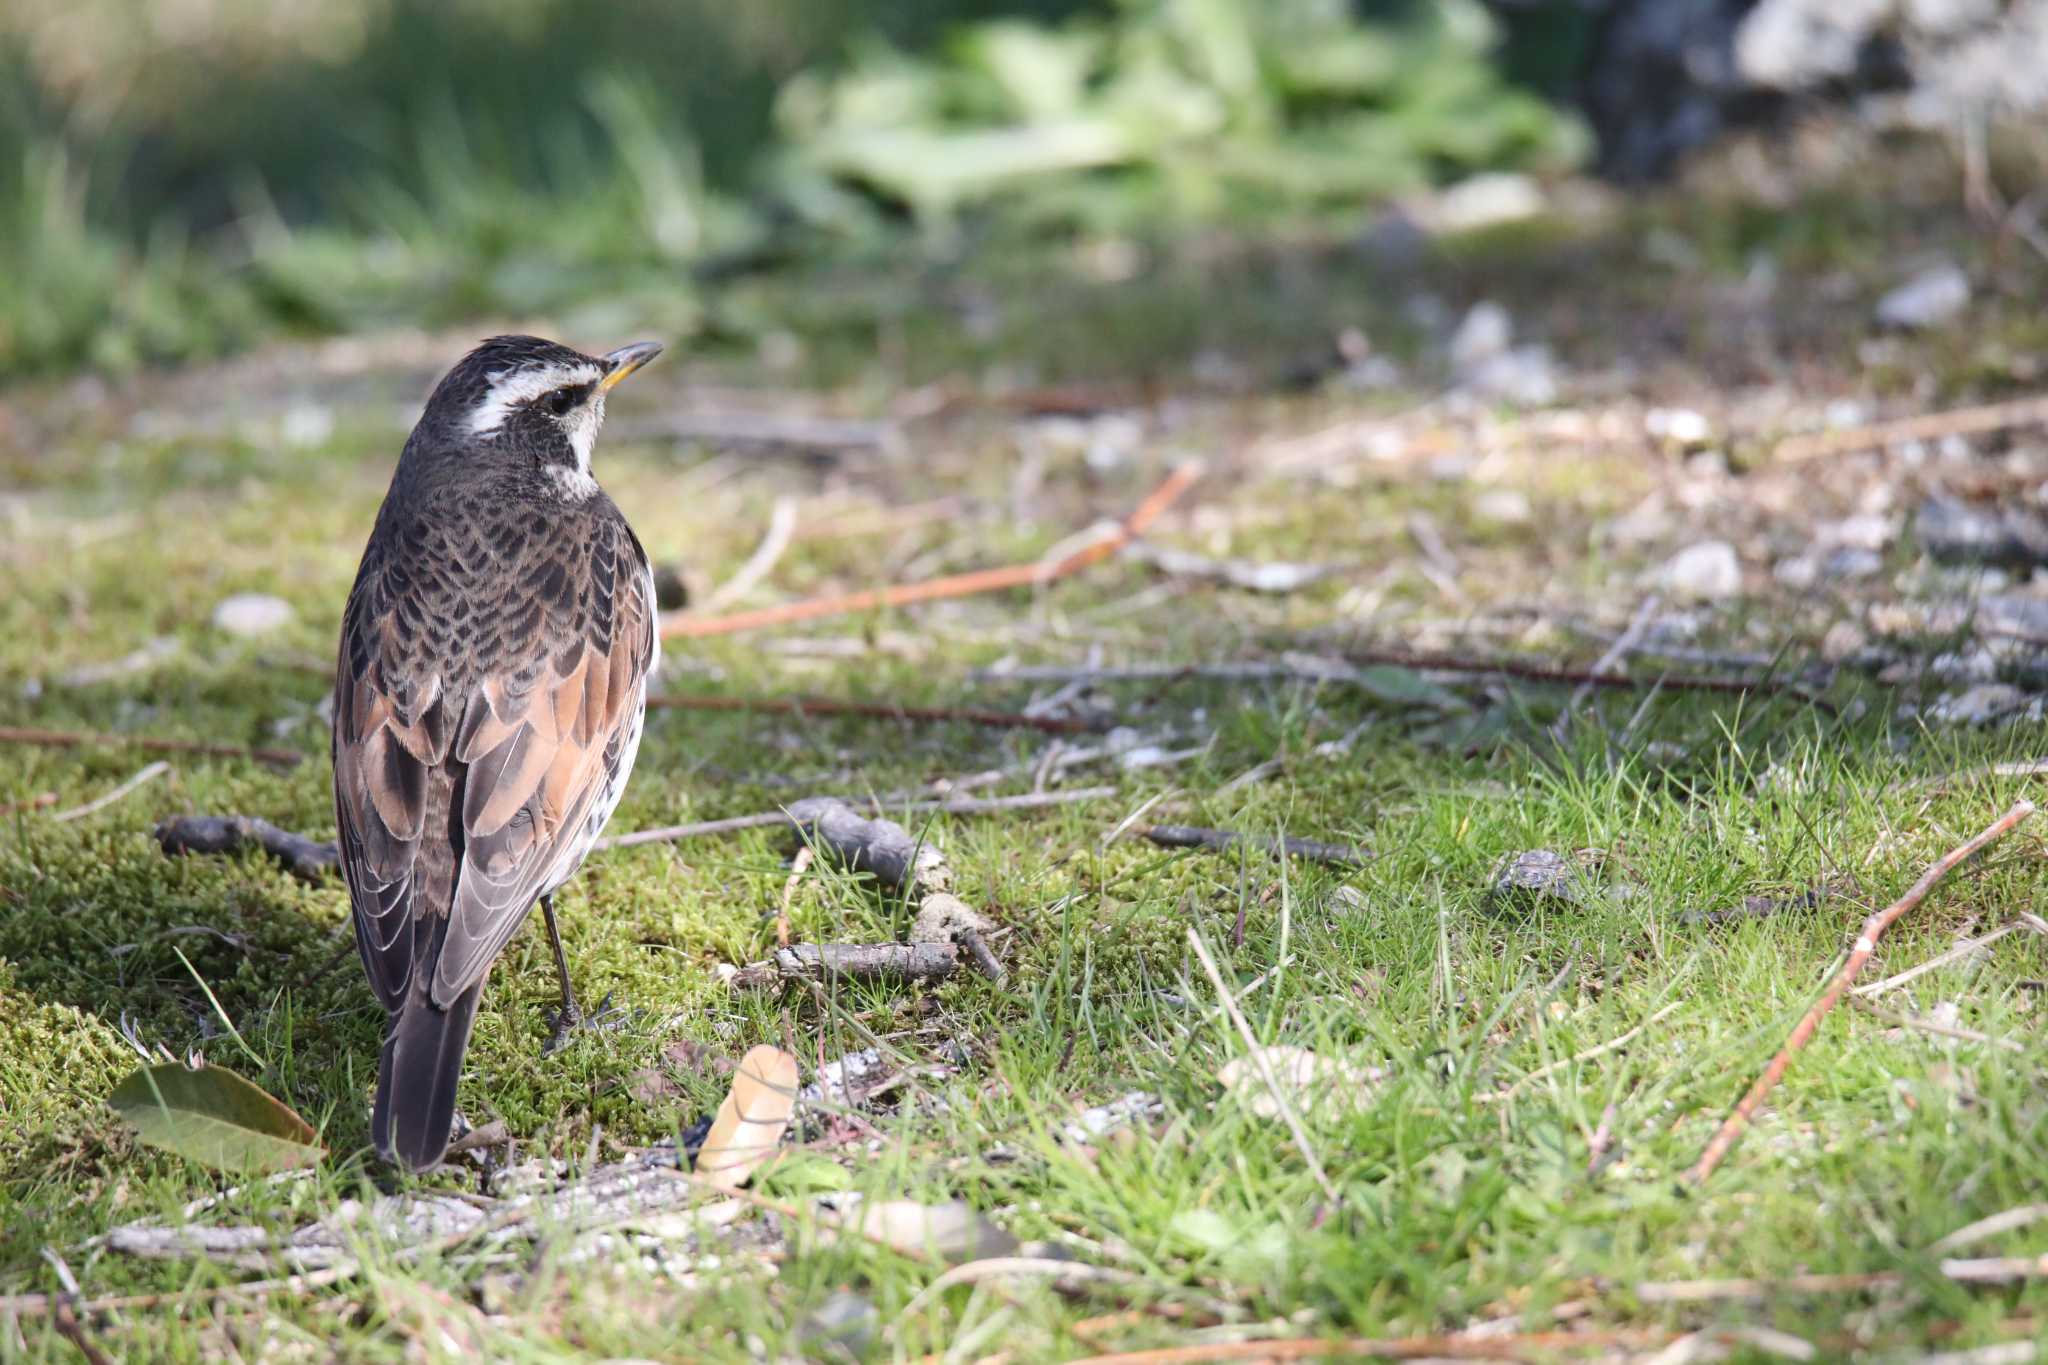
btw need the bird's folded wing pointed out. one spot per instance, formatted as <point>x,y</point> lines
<point>528,754</point>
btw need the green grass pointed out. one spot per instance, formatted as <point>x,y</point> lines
<point>1455,1204</point>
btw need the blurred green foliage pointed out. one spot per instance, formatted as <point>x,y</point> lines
<point>176,180</point>
<point>1176,109</point>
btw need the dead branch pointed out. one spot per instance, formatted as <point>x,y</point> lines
<point>955,585</point>
<point>821,706</point>
<point>1932,426</point>
<point>781,525</point>
<point>304,858</point>
<point>1866,944</point>
<point>889,852</point>
<point>149,744</point>
<point>1195,836</point>
<point>825,962</point>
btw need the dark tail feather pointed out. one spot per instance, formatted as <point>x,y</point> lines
<point>416,1079</point>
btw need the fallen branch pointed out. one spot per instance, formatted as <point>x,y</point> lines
<point>913,865</point>
<point>1194,836</point>
<point>1985,1270</point>
<point>1960,950</point>
<point>306,859</point>
<point>827,962</point>
<point>1866,944</point>
<point>820,706</point>
<point>1932,426</point>
<point>149,744</point>
<point>955,585</point>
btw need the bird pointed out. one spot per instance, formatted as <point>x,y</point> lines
<point>489,699</point>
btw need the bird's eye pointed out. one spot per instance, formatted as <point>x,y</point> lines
<point>561,400</point>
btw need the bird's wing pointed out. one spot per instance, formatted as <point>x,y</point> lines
<point>455,809</point>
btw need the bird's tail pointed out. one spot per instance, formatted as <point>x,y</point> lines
<point>416,1079</point>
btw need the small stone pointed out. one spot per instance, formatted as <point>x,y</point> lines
<point>1979,705</point>
<point>1868,532</point>
<point>1484,201</point>
<point>1682,426</point>
<point>1530,882</point>
<point>1797,571</point>
<point>1851,562</point>
<point>1350,898</point>
<point>2015,616</point>
<point>1504,507</point>
<point>1707,571</point>
<point>1955,532</point>
<point>1844,640</point>
<point>1936,295</point>
<point>1486,332</point>
<point>252,613</point>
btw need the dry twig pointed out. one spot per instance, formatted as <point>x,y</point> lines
<point>1866,944</point>
<point>821,706</point>
<point>985,805</point>
<point>781,526</point>
<point>955,585</point>
<point>1932,426</point>
<point>306,859</point>
<point>1195,836</point>
<point>852,962</point>
<point>100,803</point>
<point>149,744</point>
<point>1517,1347</point>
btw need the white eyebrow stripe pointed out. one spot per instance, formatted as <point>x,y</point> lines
<point>511,388</point>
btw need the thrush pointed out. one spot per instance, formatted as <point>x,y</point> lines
<point>488,704</point>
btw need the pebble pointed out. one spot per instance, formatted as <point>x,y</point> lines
<point>1706,571</point>
<point>252,613</point>
<point>1935,296</point>
<point>1955,532</point>
<point>1979,705</point>
<point>1532,881</point>
<point>1681,426</point>
<point>1504,507</point>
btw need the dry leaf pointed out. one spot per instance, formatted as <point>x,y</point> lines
<point>752,1119</point>
<point>1308,1079</point>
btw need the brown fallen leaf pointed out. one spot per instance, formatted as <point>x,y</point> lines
<point>751,1121</point>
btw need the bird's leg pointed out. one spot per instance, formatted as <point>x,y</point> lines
<point>570,1018</point>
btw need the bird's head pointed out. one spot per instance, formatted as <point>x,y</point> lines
<point>526,400</point>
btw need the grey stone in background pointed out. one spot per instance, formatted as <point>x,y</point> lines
<point>1935,296</point>
<point>1704,572</point>
<point>1953,532</point>
<point>252,613</point>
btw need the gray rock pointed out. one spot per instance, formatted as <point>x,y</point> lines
<point>1532,881</point>
<point>1504,507</point>
<point>1486,332</point>
<point>1936,295</point>
<point>2014,615</point>
<point>1979,705</point>
<point>1850,562</point>
<point>1707,571</point>
<point>252,613</point>
<point>1962,533</point>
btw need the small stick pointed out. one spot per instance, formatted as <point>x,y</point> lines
<point>1971,421</point>
<point>1195,836</point>
<point>304,858</point>
<point>985,805</point>
<point>1630,637</point>
<point>822,706</point>
<point>954,585</point>
<point>1257,1055</point>
<point>149,744</point>
<point>1599,1050</point>
<point>1965,1035</point>
<point>781,526</point>
<point>1866,944</point>
<point>852,962</point>
<point>2008,1221</point>
<point>1963,949</point>
<point>148,774</point>
<point>797,867</point>
<point>1518,1347</point>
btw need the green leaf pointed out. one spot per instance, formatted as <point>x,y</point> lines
<point>216,1118</point>
<point>1406,687</point>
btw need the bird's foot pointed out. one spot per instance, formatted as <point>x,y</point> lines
<point>564,1024</point>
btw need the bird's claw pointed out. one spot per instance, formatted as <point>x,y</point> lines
<point>565,1023</point>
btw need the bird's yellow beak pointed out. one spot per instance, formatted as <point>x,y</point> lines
<point>625,360</point>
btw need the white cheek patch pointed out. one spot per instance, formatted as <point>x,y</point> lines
<point>514,388</point>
